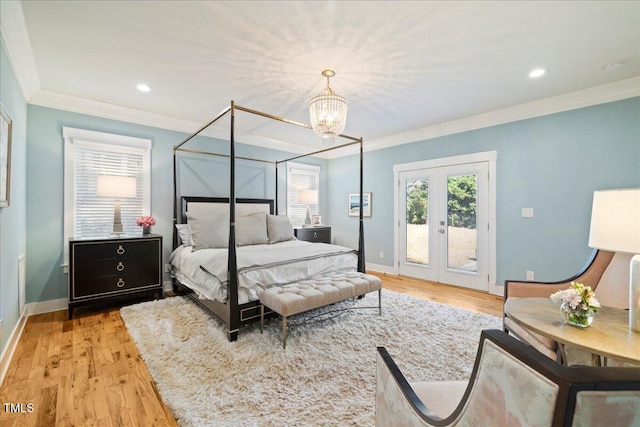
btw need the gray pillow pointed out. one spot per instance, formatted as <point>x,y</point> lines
<point>184,232</point>
<point>209,231</point>
<point>252,229</point>
<point>279,228</point>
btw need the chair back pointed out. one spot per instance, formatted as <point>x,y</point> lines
<point>513,384</point>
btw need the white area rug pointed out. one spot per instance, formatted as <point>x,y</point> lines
<point>325,377</point>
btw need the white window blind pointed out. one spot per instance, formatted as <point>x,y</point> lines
<point>93,214</point>
<point>301,177</point>
<point>89,154</point>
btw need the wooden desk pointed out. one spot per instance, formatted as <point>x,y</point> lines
<point>608,335</point>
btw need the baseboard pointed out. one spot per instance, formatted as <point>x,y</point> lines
<point>12,344</point>
<point>47,306</point>
<point>380,268</point>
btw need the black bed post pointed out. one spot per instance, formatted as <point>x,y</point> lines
<point>232,290</point>
<point>175,212</point>
<point>175,202</point>
<point>361,266</point>
<point>277,212</point>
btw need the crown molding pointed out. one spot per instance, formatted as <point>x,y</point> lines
<point>18,47</point>
<point>610,92</point>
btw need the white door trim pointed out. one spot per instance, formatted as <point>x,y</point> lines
<point>485,156</point>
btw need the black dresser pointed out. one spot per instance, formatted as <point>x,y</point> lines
<point>314,234</point>
<point>114,268</point>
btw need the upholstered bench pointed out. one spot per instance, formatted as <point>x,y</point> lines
<point>296,298</point>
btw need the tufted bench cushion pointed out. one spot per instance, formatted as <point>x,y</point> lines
<point>314,293</point>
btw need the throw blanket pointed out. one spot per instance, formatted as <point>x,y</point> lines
<point>261,266</point>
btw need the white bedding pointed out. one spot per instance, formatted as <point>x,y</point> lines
<point>259,266</point>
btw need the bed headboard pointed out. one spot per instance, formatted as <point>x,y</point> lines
<point>215,205</point>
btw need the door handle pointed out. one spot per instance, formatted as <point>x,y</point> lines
<point>441,231</point>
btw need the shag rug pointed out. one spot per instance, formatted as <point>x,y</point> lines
<point>325,377</point>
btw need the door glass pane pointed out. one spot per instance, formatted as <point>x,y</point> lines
<point>462,234</point>
<point>417,193</point>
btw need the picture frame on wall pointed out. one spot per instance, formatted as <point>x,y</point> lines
<point>316,220</point>
<point>354,204</point>
<point>6,125</point>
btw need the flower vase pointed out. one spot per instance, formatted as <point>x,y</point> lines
<point>576,317</point>
<point>146,230</point>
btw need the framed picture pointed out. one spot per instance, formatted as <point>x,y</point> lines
<point>316,220</point>
<point>5,157</point>
<point>354,204</point>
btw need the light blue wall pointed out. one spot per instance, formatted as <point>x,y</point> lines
<point>552,164</point>
<point>199,176</point>
<point>12,219</point>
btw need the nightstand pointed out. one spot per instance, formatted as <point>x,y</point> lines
<point>314,234</point>
<point>106,269</point>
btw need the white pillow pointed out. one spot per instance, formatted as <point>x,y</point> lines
<point>252,229</point>
<point>184,232</point>
<point>208,231</point>
<point>279,228</point>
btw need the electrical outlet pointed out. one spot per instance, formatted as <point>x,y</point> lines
<point>381,254</point>
<point>167,268</point>
<point>530,275</point>
<point>527,212</point>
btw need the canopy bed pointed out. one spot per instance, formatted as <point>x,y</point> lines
<point>225,277</point>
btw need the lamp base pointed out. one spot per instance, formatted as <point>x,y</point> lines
<point>634,295</point>
<point>307,220</point>
<point>117,221</point>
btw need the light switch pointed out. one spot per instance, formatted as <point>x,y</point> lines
<point>527,212</point>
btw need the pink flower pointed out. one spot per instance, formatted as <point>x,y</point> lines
<point>145,221</point>
<point>578,297</point>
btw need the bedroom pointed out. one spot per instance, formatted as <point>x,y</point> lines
<point>551,156</point>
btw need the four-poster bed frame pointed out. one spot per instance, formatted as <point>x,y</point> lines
<point>231,312</point>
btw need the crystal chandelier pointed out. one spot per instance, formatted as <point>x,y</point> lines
<point>328,111</point>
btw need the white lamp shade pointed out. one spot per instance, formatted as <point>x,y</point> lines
<point>116,186</point>
<point>307,196</point>
<point>615,220</point>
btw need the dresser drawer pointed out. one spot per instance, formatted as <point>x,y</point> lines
<point>315,234</point>
<point>109,285</point>
<point>113,250</point>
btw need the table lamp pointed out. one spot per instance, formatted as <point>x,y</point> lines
<point>118,187</point>
<point>615,227</point>
<point>307,196</point>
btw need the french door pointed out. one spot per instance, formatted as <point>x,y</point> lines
<point>443,224</point>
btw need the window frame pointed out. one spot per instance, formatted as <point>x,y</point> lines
<point>308,169</point>
<point>102,141</point>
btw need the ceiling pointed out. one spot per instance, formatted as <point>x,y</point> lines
<point>409,70</point>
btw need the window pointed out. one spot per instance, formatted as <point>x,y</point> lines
<point>301,177</point>
<point>89,154</point>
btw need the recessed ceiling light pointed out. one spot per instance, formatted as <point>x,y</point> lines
<point>142,87</point>
<point>612,66</point>
<point>538,72</point>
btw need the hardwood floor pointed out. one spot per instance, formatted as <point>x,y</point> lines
<point>87,371</point>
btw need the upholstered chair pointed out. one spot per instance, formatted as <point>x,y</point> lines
<point>608,275</point>
<point>511,384</point>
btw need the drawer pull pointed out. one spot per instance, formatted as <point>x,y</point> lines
<point>120,250</point>
<point>120,266</point>
<point>315,235</point>
<point>120,283</point>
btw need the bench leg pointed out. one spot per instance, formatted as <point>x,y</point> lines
<point>379,301</point>
<point>284,332</point>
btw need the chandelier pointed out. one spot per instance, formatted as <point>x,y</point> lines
<point>328,111</point>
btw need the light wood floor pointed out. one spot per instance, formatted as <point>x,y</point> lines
<point>87,371</point>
